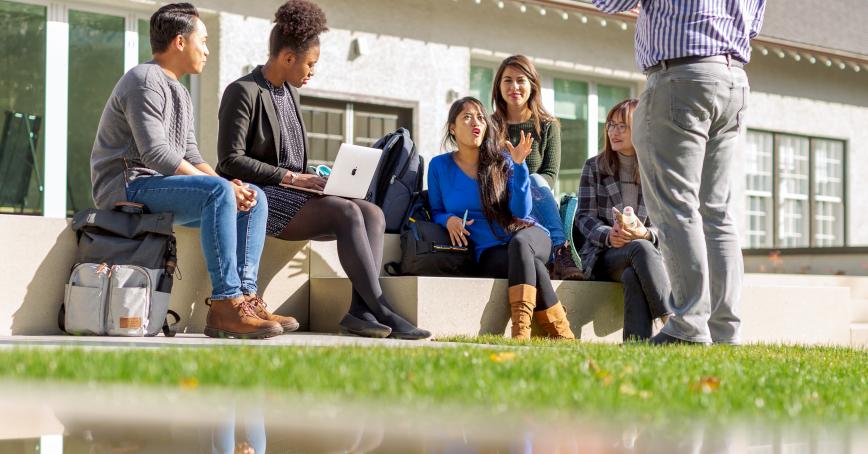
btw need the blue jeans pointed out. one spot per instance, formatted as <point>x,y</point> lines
<point>223,437</point>
<point>545,209</point>
<point>232,240</point>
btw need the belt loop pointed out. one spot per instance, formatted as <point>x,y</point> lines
<point>729,61</point>
<point>664,65</point>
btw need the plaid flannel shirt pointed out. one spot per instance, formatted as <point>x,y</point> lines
<point>597,195</point>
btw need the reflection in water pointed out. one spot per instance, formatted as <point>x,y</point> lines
<point>123,419</point>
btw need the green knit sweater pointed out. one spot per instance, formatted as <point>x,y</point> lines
<point>545,154</point>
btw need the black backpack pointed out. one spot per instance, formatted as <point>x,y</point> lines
<point>398,179</point>
<point>426,249</point>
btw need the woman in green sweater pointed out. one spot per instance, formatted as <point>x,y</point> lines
<point>518,108</point>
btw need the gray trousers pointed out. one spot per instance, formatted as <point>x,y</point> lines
<point>685,131</point>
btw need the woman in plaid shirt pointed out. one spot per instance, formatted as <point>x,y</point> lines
<point>630,255</point>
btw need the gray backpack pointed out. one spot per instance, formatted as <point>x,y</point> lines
<point>122,278</point>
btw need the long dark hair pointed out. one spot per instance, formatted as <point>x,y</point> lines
<point>534,101</point>
<point>607,161</point>
<point>493,172</point>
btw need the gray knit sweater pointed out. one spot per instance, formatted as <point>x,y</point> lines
<point>146,129</point>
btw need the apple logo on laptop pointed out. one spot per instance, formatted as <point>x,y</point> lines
<point>354,171</point>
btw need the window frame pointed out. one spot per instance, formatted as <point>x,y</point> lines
<point>812,247</point>
<point>349,101</point>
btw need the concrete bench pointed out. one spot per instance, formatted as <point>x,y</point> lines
<point>39,253</point>
<point>304,279</point>
<point>774,308</point>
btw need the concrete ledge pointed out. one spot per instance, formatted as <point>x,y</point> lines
<point>464,306</point>
<point>459,306</point>
<point>39,254</point>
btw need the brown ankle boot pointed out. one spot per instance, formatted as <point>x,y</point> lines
<point>235,318</point>
<point>554,321</point>
<point>289,324</point>
<point>522,300</point>
<point>564,267</point>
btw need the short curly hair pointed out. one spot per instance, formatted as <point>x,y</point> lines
<point>297,26</point>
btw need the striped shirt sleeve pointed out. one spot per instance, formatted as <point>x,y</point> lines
<point>615,6</point>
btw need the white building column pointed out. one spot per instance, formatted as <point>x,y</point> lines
<point>56,110</point>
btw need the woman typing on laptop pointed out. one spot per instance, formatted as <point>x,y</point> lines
<point>262,137</point>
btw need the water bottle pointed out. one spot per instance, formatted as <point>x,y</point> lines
<point>628,218</point>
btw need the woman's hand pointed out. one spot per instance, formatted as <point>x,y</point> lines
<point>304,180</point>
<point>521,151</point>
<point>457,233</point>
<point>245,198</point>
<point>638,232</point>
<point>616,236</point>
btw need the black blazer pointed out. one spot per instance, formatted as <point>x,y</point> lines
<point>248,139</point>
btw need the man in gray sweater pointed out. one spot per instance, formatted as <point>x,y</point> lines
<point>146,152</point>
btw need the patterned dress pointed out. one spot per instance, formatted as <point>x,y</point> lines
<point>285,203</point>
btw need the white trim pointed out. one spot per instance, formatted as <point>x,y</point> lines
<point>349,130</point>
<point>51,444</point>
<point>548,92</point>
<point>131,41</point>
<point>56,110</point>
<point>593,115</point>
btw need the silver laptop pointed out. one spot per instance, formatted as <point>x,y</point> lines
<point>352,172</point>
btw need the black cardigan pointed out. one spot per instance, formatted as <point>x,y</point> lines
<point>248,139</point>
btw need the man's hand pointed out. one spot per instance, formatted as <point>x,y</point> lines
<point>457,233</point>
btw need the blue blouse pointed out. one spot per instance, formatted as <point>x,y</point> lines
<point>451,191</point>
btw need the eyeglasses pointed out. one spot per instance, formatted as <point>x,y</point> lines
<point>620,127</point>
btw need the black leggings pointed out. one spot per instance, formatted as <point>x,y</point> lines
<point>359,227</point>
<point>523,261</point>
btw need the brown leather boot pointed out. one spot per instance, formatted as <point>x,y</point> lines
<point>522,300</point>
<point>554,321</point>
<point>235,318</point>
<point>289,324</point>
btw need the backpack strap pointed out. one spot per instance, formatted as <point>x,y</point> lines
<point>169,329</point>
<point>61,318</point>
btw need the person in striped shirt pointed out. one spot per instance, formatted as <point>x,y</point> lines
<point>686,133</point>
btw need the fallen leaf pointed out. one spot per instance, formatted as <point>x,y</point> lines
<point>502,357</point>
<point>189,383</point>
<point>706,385</point>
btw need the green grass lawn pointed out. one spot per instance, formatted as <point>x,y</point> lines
<point>773,383</point>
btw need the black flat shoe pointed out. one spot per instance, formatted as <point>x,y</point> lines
<point>414,334</point>
<point>351,324</point>
<point>664,339</point>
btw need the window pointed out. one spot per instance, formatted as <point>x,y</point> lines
<point>607,97</point>
<point>759,206</point>
<point>22,106</point>
<point>571,109</point>
<point>794,191</point>
<point>329,123</point>
<point>480,85</point>
<point>96,62</point>
<point>144,30</point>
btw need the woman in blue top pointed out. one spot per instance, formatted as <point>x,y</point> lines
<point>493,187</point>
